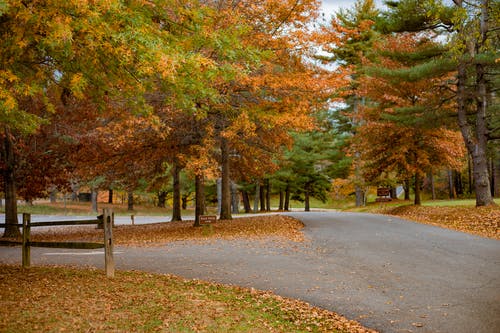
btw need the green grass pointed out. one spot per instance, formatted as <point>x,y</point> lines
<point>55,299</point>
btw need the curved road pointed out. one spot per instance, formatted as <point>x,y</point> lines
<point>391,275</point>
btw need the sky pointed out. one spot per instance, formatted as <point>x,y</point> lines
<point>329,7</point>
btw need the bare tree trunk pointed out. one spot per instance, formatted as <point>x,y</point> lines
<point>476,135</point>
<point>235,198</point>
<point>110,196</point>
<point>130,201</point>
<point>176,201</point>
<point>451,188</point>
<point>307,199</point>
<point>256,198</point>
<point>457,179</point>
<point>469,173</point>
<point>199,183</point>
<point>286,206</point>
<point>282,197</point>
<point>246,201</point>
<point>225,211</point>
<point>162,198</point>
<point>93,198</point>
<point>262,198</point>
<point>268,195</point>
<point>492,176</point>
<point>11,230</point>
<point>406,187</point>
<point>418,200</point>
<point>433,185</point>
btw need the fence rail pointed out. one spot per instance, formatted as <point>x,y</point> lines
<point>105,221</point>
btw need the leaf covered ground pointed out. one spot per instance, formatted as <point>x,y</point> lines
<point>482,221</point>
<point>57,299</point>
<point>159,233</point>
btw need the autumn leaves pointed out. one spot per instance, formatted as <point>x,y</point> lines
<point>121,93</point>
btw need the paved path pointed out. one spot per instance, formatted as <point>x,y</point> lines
<point>391,275</point>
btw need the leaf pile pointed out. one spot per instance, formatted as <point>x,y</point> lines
<point>50,299</point>
<point>159,233</point>
<point>482,221</point>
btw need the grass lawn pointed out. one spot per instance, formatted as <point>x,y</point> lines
<point>56,299</point>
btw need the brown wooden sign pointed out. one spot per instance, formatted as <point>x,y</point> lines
<point>383,192</point>
<point>206,219</point>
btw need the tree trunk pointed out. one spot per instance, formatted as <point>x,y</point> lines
<point>176,204</point>
<point>130,201</point>
<point>262,197</point>
<point>268,195</point>
<point>246,201</point>
<point>235,198</point>
<point>162,198</point>
<point>53,194</point>
<point>359,196</point>
<point>282,197</point>
<point>433,185</point>
<point>406,187</point>
<point>256,198</point>
<point>492,177</point>
<point>184,201</point>
<point>286,206</point>
<point>199,184</point>
<point>418,200</point>
<point>225,209</point>
<point>93,199</point>
<point>11,230</point>
<point>394,192</point>
<point>475,136</point>
<point>457,179</point>
<point>451,188</point>
<point>469,173</point>
<point>306,201</point>
<point>110,196</point>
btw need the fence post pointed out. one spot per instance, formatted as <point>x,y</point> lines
<point>26,252</point>
<point>109,262</point>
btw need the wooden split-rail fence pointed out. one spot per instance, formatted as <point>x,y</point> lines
<point>104,221</point>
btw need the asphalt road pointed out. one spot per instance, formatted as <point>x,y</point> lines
<point>389,274</point>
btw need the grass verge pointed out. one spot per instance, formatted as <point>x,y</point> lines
<point>56,299</point>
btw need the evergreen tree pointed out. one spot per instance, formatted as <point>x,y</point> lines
<point>353,32</point>
<point>473,46</point>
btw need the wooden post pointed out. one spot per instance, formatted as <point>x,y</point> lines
<point>109,262</point>
<point>26,253</point>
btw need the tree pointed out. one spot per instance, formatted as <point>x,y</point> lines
<point>474,47</point>
<point>306,165</point>
<point>407,127</point>
<point>350,37</point>
<point>93,50</point>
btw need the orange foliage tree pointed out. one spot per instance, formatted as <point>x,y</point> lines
<point>406,128</point>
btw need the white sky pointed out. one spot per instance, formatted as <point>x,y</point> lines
<point>329,7</point>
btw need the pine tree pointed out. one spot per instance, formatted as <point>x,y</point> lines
<point>474,48</point>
